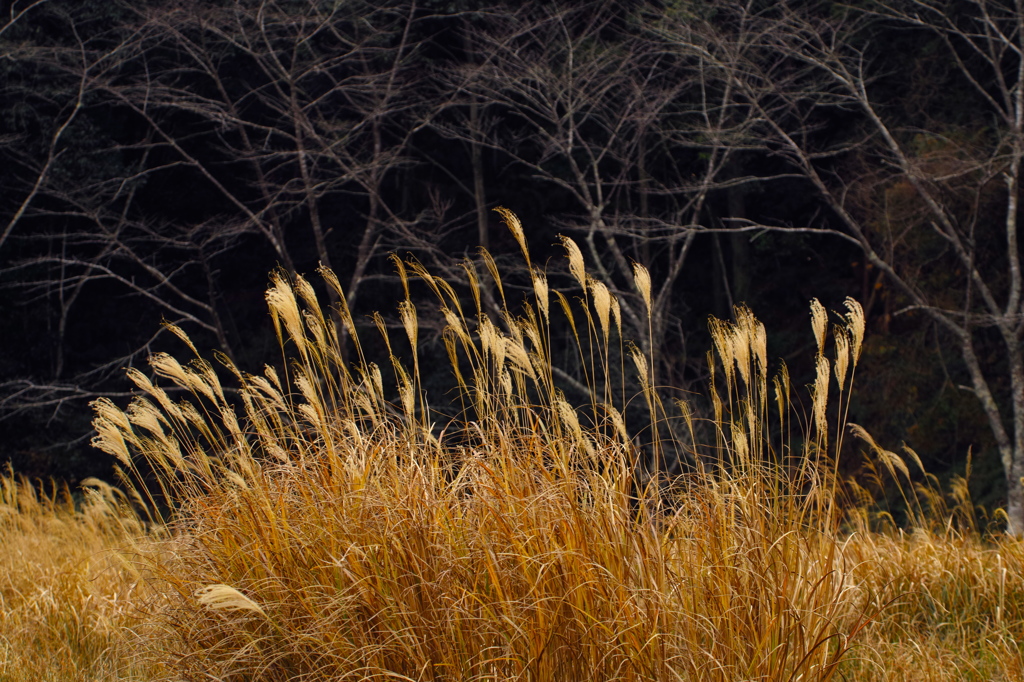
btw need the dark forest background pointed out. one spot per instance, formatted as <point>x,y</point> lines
<point>159,158</point>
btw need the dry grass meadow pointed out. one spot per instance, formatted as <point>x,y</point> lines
<point>324,528</point>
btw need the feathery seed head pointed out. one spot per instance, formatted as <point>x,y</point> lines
<point>305,291</point>
<point>891,460</point>
<point>741,350</point>
<point>145,414</point>
<point>724,341</point>
<point>568,417</point>
<point>687,412</point>
<point>842,355</point>
<point>407,311</point>
<point>642,369</point>
<point>619,422</point>
<point>642,280</point>
<point>192,416</point>
<point>403,274</point>
<point>143,382</point>
<point>740,443</point>
<point>317,326</point>
<point>456,326</point>
<point>272,376</point>
<point>376,381</point>
<point>284,310</point>
<point>268,395</point>
<point>168,367</point>
<point>860,432</point>
<point>855,323</point>
<point>520,358</point>
<point>406,392</point>
<point>474,284</point>
<point>227,598</point>
<point>756,337</point>
<point>111,425</point>
<point>490,338</point>
<point>505,383</point>
<point>576,267</point>
<point>307,386</point>
<point>516,227</point>
<point>893,463</point>
<point>781,383</point>
<point>208,381</point>
<point>492,268</point>
<point>180,333</point>
<point>602,304</point>
<point>920,465</point>
<point>819,322</point>
<point>540,289</point>
<point>820,395</point>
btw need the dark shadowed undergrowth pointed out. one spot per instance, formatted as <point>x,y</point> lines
<point>326,526</point>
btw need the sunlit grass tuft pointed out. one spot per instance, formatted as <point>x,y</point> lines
<point>326,523</point>
<point>326,531</point>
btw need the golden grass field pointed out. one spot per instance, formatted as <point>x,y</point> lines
<point>324,529</point>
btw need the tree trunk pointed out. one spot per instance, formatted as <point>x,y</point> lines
<point>740,246</point>
<point>1015,470</point>
<point>479,191</point>
<point>1015,496</point>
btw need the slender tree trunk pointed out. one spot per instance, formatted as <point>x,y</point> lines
<point>740,247</point>
<point>644,182</point>
<point>479,193</point>
<point>1014,485</point>
<point>722,297</point>
<point>1015,497</point>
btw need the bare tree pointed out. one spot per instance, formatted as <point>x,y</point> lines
<point>933,202</point>
<point>16,13</point>
<point>620,121</point>
<point>325,110</point>
<point>291,119</point>
<point>71,221</point>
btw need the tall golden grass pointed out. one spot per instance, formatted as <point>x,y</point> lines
<point>325,525</point>
<point>69,604</point>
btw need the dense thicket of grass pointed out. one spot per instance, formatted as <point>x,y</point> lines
<point>321,531</point>
<point>70,607</point>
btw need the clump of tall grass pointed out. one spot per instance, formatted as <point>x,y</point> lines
<point>957,609</point>
<point>957,585</point>
<point>66,599</point>
<point>323,531</point>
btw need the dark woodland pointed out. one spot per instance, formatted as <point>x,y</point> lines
<point>161,158</point>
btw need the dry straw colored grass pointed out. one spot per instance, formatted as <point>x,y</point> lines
<point>68,601</point>
<point>325,527</point>
<point>958,613</point>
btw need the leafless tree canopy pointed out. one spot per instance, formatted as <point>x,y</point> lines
<point>160,157</point>
<point>927,190</point>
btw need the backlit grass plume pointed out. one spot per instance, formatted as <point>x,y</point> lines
<point>325,527</point>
